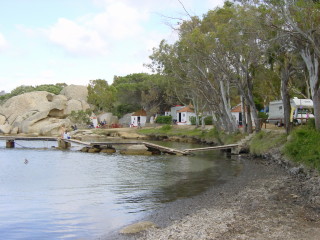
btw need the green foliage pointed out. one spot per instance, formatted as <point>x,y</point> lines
<point>172,131</point>
<point>123,109</point>
<point>303,147</point>
<point>55,89</point>
<point>81,117</point>
<point>262,115</point>
<point>207,120</point>
<point>263,141</point>
<point>101,95</point>
<point>142,90</point>
<point>212,135</point>
<point>221,137</point>
<point>311,123</point>
<point>164,119</point>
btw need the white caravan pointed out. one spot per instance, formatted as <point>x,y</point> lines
<point>301,110</point>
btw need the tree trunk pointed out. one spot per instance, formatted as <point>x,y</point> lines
<point>203,125</point>
<point>227,108</point>
<point>316,105</point>
<point>312,64</point>
<point>249,119</point>
<point>285,75</point>
<point>244,116</point>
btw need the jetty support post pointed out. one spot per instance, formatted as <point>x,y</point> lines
<point>63,144</point>
<point>10,143</point>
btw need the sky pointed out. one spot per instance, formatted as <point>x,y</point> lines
<point>75,41</point>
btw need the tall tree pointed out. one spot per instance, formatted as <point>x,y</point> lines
<point>101,95</point>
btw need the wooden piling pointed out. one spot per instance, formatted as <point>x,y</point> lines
<point>10,144</point>
<point>63,144</point>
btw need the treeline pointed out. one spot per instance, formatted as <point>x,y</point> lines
<point>249,52</point>
<point>131,93</point>
<point>52,88</point>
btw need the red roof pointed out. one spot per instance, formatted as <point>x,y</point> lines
<point>186,109</point>
<point>236,108</point>
<point>140,113</point>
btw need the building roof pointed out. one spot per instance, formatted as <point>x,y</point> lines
<point>236,108</point>
<point>140,113</point>
<point>186,109</point>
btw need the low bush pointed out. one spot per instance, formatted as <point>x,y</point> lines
<point>207,120</point>
<point>303,147</point>
<point>263,141</point>
<point>164,119</point>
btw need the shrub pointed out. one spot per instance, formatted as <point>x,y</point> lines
<point>164,119</point>
<point>311,123</point>
<point>262,142</point>
<point>80,117</point>
<point>304,147</point>
<point>207,120</point>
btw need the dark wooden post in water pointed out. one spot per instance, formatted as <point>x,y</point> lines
<point>63,144</point>
<point>10,144</point>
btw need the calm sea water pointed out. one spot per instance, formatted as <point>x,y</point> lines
<point>74,195</point>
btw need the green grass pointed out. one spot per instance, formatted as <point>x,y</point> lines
<point>304,147</point>
<point>262,142</point>
<point>209,135</point>
<point>170,131</point>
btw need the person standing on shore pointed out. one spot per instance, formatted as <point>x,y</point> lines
<point>62,131</point>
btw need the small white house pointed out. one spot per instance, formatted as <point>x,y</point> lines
<point>139,117</point>
<point>184,114</point>
<point>236,112</point>
<point>94,120</point>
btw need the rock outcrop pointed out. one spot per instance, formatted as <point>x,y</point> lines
<point>41,112</point>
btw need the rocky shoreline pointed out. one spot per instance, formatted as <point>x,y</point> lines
<point>271,199</point>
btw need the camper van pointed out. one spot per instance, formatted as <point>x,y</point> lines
<point>301,110</point>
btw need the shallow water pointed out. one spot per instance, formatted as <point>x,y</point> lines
<point>71,195</point>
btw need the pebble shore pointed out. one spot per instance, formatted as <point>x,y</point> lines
<point>266,201</point>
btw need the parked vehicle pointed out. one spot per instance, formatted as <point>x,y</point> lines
<point>301,111</point>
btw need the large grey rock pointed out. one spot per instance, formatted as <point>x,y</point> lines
<point>42,112</point>
<point>76,92</point>
<point>126,120</point>
<point>2,119</point>
<point>6,128</point>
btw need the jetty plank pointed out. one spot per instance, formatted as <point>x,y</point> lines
<point>77,141</point>
<point>164,149</point>
<point>28,138</point>
<point>229,146</point>
<point>115,143</point>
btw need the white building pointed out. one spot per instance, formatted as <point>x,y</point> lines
<point>139,117</point>
<point>184,114</point>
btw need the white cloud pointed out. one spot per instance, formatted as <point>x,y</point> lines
<point>3,42</point>
<point>76,39</point>
<point>119,21</point>
<point>93,34</point>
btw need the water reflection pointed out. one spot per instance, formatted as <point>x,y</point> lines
<point>70,195</point>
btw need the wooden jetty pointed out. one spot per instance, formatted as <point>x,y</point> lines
<point>66,143</point>
<point>221,147</point>
<point>163,149</point>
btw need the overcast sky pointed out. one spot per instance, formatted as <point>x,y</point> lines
<point>75,41</point>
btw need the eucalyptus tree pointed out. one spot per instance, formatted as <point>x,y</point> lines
<point>301,23</point>
<point>238,50</point>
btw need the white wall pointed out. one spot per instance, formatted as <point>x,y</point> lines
<point>134,121</point>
